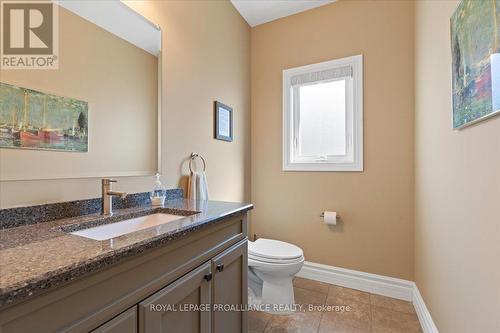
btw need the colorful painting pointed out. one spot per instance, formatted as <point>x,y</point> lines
<point>475,33</point>
<point>35,120</point>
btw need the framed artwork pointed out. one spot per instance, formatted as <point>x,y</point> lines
<point>31,119</point>
<point>223,122</point>
<point>475,46</point>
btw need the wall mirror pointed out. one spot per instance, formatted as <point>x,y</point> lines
<point>98,114</point>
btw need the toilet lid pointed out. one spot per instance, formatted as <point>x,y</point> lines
<point>274,249</point>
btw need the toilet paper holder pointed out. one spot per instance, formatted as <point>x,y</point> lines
<point>323,215</point>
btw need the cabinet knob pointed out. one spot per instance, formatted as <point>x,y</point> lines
<point>208,276</point>
<point>220,267</point>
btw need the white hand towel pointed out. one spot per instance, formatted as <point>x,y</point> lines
<point>197,186</point>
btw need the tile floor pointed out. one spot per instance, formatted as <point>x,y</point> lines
<point>368,313</point>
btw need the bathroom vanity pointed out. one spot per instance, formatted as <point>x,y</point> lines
<point>64,267</point>
<point>171,277</point>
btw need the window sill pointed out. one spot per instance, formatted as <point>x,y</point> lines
<point>324,167</point>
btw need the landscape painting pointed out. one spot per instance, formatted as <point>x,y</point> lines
<point>30,119</point>
<point>475,33</point>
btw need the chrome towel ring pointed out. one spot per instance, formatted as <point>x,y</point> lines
<point>193,157</point>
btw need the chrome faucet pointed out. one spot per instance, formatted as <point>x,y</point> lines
<point>107,196</point>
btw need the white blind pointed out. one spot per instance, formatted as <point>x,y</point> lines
<point>325,75</point>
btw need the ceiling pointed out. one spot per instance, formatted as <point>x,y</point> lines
<point>256,12</point>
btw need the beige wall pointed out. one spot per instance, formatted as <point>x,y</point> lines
<point>206,57</point>
<point>457,177</point>
<point>376,205</point>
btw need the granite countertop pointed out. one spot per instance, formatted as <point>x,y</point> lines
<point>37,257</point>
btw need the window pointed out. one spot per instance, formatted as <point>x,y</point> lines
<point>323,116</point>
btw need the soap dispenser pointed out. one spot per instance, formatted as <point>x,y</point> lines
<point>158,193</point>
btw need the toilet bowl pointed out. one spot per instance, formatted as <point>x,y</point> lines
<point>272,264</point>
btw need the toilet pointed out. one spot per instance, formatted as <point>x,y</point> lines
<point>272,264</point>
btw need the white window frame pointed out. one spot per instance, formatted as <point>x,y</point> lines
<point>353,160</point>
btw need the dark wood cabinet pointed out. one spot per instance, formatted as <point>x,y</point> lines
<point>178,307</point>
<point>125,322</point>
<point>207,299</point>
<point>230,290</point>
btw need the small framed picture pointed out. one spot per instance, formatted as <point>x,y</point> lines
<point>223,122</point>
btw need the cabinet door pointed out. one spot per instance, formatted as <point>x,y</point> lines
<point>230,289</point>
<point>125,322</point>
<point>165,311</point>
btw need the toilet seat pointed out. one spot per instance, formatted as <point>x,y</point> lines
<point>275,261</point>
<point>274,251</point>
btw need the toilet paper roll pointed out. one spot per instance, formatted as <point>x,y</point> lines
<point>330,218</point>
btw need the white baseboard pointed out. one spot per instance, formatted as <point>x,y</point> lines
<point>424,316</point>
<point>372,283</point>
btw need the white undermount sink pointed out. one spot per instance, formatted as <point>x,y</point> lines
<point>116,229</point>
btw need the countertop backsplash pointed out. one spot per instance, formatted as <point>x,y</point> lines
<point>19,216</point>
